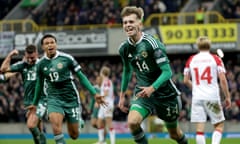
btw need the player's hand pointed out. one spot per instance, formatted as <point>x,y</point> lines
<point>121,104</point>
<point>145,91</point>
<point>228,103</point>
<point>13,52</point>
<point>32,119</point>
<point>96,105</point>
<point>31,110</point>
<point>100,100</point>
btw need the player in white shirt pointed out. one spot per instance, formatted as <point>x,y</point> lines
<point>201,74</point>
<point>106,112</point>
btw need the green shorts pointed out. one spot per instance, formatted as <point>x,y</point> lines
<point>41,109</point>
<point>166,109</point>
<point>71,114</point>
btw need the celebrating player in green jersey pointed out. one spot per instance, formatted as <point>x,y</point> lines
<point>57,69</point>
<point>154,91</point>
<point>27,68</point>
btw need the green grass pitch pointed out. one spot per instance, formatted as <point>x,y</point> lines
<point>118,141</point>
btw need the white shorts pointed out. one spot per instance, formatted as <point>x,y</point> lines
<point>203,108</point>
<point>106,111</point>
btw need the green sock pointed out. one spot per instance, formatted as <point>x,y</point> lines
<point>59,139</point>
<point>43,139</point>
<point>36,135</point>
<point>81,124</point>
<point>139,136</point>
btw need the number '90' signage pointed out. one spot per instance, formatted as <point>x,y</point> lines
<point>189,33</point>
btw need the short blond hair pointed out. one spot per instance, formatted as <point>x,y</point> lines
<point>128,10</point>
<point>105,71</point>
<point>203,43</point>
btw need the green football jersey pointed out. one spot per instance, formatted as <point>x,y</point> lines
<point>58,74</point>
<point>145,59</point>
<point>28,73</point>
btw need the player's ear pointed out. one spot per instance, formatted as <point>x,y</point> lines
<point>141,25</point>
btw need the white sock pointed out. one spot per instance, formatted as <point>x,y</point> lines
<point>216,137</point>
<point>200,139</point>
<point>112,135</point>
<point>101,134</point>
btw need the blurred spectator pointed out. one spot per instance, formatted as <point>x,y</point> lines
<point>227,11</point>
<point>199,16</point>
<point>60,12</point>
<point>36,16</point>
<point>230,9</point>
<point>237,12</point>
<point>3,109</point>
<point>236,98</point>
<point>235,116</point>
<point>6,6</point>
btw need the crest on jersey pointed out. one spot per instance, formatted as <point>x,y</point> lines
<point>59,65</point>
<point>157,53</point>
<point>144,54</point>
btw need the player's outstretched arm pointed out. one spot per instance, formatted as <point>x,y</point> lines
<point>121,103</point>
<point>6,63</point>
<point>86,83</point>
<point>5,76</point>
<point>9,75</point>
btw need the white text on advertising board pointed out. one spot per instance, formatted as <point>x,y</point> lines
<point>65,40</point>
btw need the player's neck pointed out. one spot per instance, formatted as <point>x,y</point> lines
<point>136,38</point>
<point>50,56</point>
<point>204,51</point>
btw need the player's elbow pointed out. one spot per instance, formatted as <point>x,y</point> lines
<point>3,69</point>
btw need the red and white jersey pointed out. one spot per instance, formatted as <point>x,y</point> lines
<point>203,69</point>
<point>107,86</point>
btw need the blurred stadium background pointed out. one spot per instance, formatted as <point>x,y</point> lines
<point>91,31</point>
